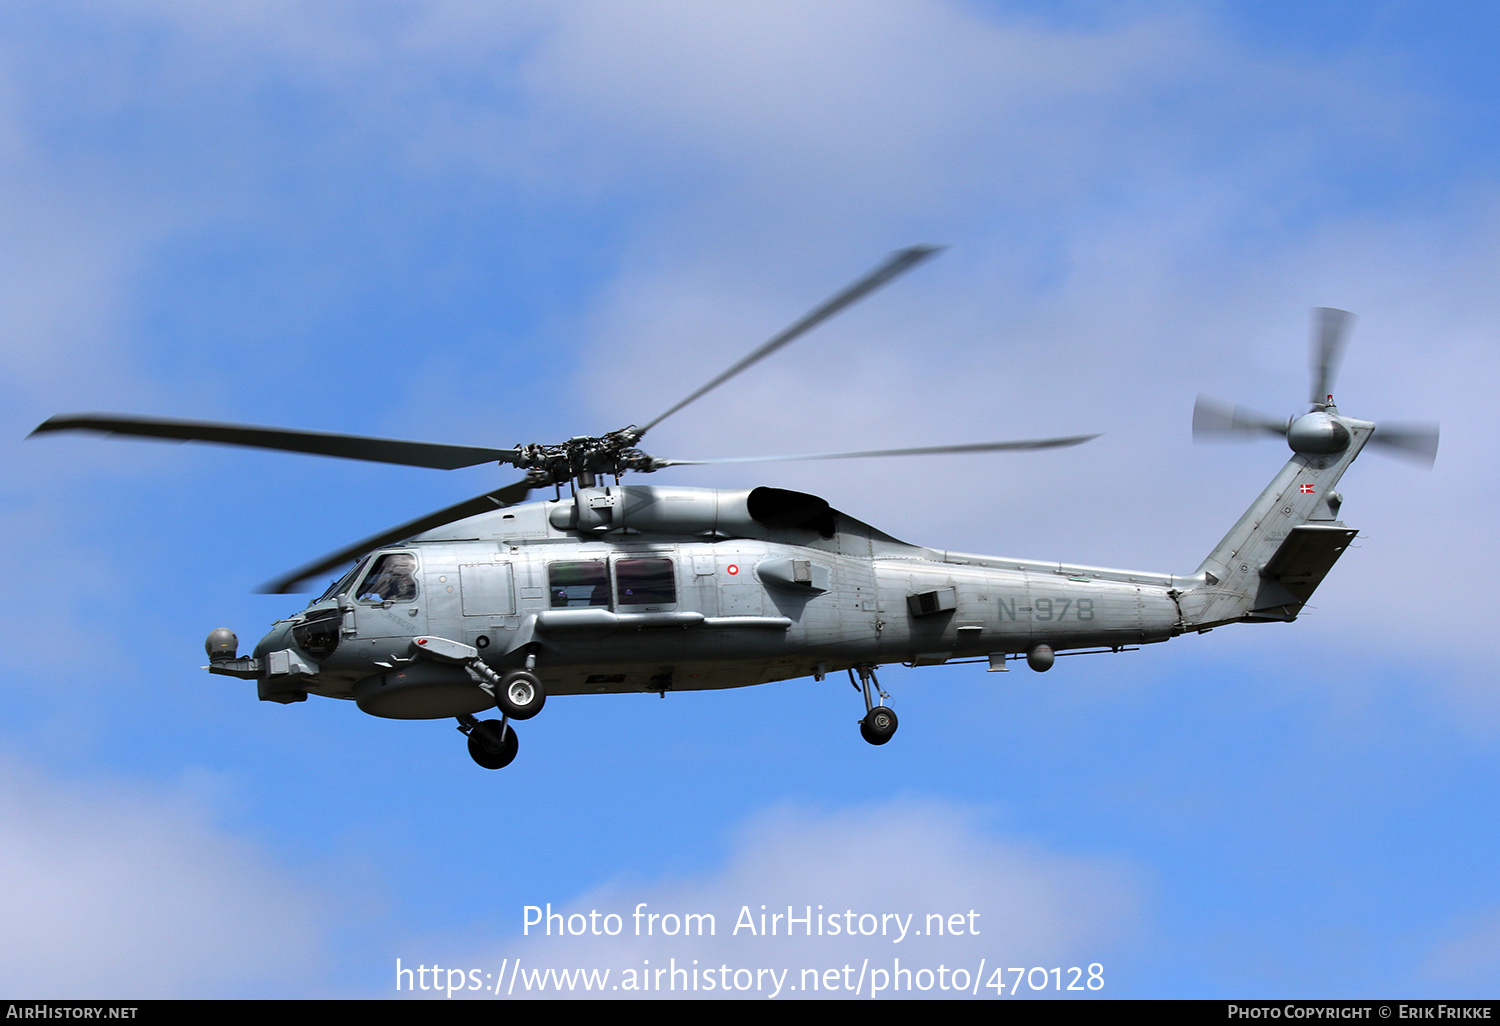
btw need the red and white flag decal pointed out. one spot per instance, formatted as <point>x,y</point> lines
<point>1308,489</point>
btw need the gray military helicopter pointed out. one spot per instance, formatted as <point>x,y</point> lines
<point>497,602</point>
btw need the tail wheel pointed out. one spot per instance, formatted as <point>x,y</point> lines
<point>879,725</point>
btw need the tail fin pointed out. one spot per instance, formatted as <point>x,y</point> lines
<point>1268,564</point>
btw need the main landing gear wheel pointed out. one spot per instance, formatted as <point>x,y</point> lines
<point>493,744</point>
<point>878,726</point>
<point>520,695</point>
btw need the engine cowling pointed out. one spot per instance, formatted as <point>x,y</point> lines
<point>692,511</point>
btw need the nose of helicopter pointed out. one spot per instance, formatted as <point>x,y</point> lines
<point>279,637</point>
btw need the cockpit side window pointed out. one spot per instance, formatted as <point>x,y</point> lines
<point>584,583</point>
<point>392,579</point>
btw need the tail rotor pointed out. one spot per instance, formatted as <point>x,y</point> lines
<point>1321,430</point>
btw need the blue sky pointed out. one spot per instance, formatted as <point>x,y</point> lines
<point>454,222</point>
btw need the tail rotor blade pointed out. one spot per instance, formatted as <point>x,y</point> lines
<point>1331,331</point>
<point>1415,442</point>
<point>1215,419</point>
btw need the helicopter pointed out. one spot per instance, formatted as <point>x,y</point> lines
<point>496,603</point>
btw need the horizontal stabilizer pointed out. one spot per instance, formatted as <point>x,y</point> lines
<point>1299,566</point>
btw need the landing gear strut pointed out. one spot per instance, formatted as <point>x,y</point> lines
<point>879,724</point>
<point>492,743</point>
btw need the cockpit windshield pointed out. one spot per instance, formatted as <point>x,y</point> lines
<point>342,583</point>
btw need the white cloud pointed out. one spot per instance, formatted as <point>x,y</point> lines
<point>113,891</point>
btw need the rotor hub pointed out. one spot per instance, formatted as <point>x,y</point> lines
<point>1317,433</point>
<point>585,456</point>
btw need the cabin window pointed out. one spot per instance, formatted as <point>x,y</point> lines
<point>646,582</point>
<point>578,584</point>
<point>393,579</point>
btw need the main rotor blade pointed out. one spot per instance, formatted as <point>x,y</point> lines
<point>1213,418</point>
<point>488,502</point>
<point>1418,442</point>
<point>898,263</point>
<point>926,450</point>
<point>1332,331</point>
<point>352,447</point>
